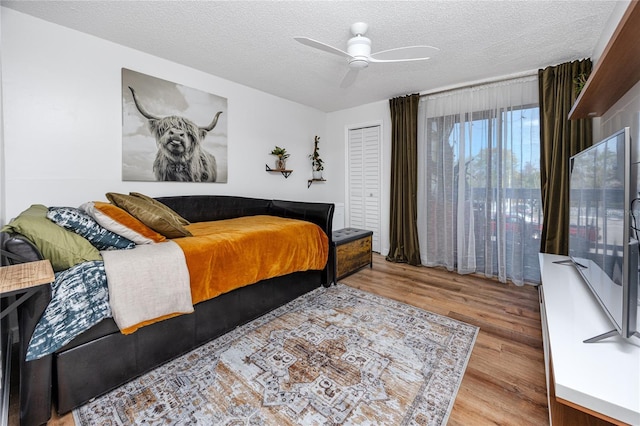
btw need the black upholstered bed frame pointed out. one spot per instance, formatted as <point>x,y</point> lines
<point>102,358</point>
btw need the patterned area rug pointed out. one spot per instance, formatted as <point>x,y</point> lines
<point>334,356</point>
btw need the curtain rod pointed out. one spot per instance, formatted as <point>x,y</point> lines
<point>477,83</point>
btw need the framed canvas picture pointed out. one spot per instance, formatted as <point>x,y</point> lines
<point>171,132</point>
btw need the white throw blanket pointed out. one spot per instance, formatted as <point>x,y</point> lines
<point>147,282</point>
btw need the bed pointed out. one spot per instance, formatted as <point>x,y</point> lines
<point>224,292</point>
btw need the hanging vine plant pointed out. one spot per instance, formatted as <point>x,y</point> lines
<point>317,164</point>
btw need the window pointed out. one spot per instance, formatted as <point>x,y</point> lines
<point>479,181</point>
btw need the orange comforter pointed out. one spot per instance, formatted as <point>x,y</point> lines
<point>227,254</point>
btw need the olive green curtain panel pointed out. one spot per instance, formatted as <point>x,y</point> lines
<point>403,231</point>
<point>560,138</point>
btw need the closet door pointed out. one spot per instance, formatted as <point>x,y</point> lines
<point>364,181</point>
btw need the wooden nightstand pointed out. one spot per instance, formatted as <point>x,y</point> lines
<point>352,249</point>
<point>23,279</point>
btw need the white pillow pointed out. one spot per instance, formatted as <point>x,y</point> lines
<point>113,225</point>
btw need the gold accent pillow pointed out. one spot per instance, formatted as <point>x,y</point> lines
<point>164,207</point>
<point>151,215</point>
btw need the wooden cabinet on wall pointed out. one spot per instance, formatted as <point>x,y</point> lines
<point>617,71</point>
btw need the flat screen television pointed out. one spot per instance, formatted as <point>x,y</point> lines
<point>603,236</point>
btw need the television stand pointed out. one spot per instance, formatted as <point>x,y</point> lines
<point>585,382</point>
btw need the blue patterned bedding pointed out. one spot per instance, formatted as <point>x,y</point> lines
<point>79,300</point>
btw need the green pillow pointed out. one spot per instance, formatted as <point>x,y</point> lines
<point>62,247</point>
<point>156,218</point>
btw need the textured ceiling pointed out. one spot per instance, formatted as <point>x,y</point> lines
<point>251,42</point>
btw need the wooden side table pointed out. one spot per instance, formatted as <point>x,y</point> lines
<point>352,251</point>
<point>23,279</point>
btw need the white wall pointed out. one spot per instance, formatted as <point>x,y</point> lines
<point>625,112</point>
<point>62,112</point>
<point>338,123</point>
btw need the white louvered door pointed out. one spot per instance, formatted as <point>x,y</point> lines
<point>364,181</point>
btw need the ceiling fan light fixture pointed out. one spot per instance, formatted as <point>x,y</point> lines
<point>358,63</point>
<point>358,54</point>
<point>359,46</point>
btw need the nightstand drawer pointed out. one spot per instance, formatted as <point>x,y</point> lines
<point>353,250</point>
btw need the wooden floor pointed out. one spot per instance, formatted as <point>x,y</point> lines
<point>504,383</point>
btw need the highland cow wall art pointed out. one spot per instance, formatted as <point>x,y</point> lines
<point>171,132</point>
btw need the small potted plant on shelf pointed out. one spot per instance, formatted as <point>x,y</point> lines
<point>317,164</point>
<point>282,155</point>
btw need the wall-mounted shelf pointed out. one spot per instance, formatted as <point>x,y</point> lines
<point>310,181</point>
<point>617,71</point>
<point>284,172</point>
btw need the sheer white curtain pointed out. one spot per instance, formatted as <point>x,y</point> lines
<point>479,206</point>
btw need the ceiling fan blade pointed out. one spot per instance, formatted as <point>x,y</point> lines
<point>319,45</point>
<point>349,78</point>
<point>405,54</point>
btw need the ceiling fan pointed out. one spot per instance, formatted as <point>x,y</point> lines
<point>359,54</point>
